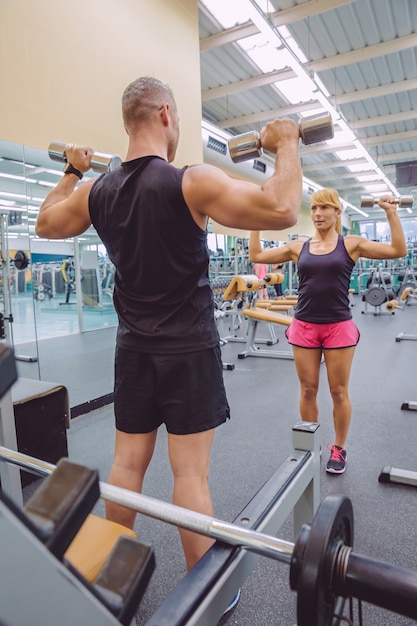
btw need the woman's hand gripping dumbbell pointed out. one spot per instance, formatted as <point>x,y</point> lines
<point>403,202</point>
<point>311,129</point>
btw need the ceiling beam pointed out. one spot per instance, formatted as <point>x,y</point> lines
<point>363,54</point>
<point>280,18</point>
<point>392,118</point>
<point>408,135</point>
<point>245,85</point>
<point>332,164</point>
<point>263,116</point>
<point>375,92</point>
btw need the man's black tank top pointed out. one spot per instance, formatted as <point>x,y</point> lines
<point>324,280</point>
<point>162,292</point>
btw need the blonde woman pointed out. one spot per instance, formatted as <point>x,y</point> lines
<point>322,323</point>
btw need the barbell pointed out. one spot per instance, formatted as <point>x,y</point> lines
<point>403,202</point>
<point>312,129</point>
<point>100,161</point>
<point>323,565</point>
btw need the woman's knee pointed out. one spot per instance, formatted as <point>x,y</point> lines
<point>339,395</point>
<point>309,392</point>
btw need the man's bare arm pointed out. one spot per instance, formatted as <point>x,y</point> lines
<point>240,204</point>
<point>64,212</point>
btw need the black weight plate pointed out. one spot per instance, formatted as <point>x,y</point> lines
<point>375,296</point>
<point>332,526</point>
<point>411,286</point>
<point>21,260</point>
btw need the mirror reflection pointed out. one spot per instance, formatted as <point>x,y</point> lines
<point>52,293</point>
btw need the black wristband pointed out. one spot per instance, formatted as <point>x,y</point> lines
<point>70,169</point>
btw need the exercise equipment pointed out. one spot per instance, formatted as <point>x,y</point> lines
<point>241,293</point>
<point>403,202</point>
<point>406,337</point>
<point>323,567</point>
<point>292,490</point>
<point>259,314</point>
<point>379,291</point>
<point>20,260</point>
<point>312,129</point>
<point>42,582</point>
<point>407,290</point>
<point>395,475</point>
<point>68,274</point>
<point>100,161</point>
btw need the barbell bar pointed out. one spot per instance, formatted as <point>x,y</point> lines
<point>323,566</point>
<point>403,202</point>
<point>312,129</point>
<point>100,161</point>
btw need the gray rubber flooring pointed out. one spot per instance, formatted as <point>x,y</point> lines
<point>263,394</point>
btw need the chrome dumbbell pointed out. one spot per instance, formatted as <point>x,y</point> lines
<point>312,129</point>
<point>100,161</point>
<point>403,202</point>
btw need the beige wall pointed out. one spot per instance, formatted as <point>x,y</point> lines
<point>64,65</point>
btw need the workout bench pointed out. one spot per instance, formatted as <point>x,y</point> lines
<point>269,311</point>
<point>256,315</point>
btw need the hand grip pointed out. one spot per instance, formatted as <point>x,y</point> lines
<point>312,129</point>
<point>100,161</point>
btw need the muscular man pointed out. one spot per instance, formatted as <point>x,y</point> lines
<point>150,216</point>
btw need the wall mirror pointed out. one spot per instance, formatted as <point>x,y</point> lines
<point>53,293</point>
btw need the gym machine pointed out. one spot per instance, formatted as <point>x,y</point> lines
<point>405,337</point>
<point>395,475</point>
<point>20,262</point>
<point>312,129</point>
<point>379,290</point>
<point>324,570</point>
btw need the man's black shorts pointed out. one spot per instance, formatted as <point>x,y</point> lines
<point>184,391</point>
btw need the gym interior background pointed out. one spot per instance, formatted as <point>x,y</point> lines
<point>63,70</point>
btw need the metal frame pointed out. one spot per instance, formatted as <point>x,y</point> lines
<point>404,336</point>
<point>395,475</point>
<point>251,349</point>
<point>203,595</point>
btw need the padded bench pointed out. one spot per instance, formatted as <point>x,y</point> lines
<point>42,416</point>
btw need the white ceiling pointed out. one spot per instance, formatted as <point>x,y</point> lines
<point>363,51</point>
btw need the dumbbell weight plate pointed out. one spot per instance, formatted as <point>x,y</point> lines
<point>405,202</point>
<point>21,260</point>
<point>375,296</point>
<point>313,558</point>
<point>102,162</point>
<point>316,128</point>
<point>245,147</point>
<point>409,286</point>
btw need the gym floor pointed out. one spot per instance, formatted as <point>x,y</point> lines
<point>263,394</point>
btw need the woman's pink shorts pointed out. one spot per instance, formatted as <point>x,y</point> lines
<point>327,336</point>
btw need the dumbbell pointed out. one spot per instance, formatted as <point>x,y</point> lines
<point>312,130</point>
<point>100,161</point>
<point>404,202</point>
